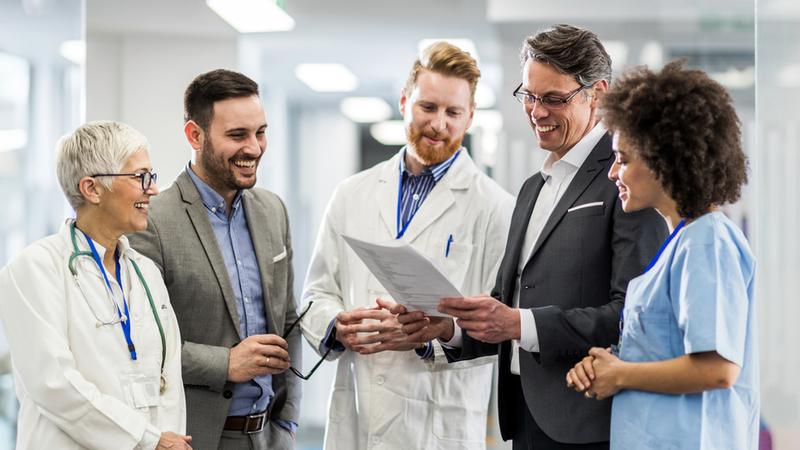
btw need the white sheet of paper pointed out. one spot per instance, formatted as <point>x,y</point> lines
<point>411,278</point>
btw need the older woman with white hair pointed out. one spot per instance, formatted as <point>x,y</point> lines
<point>94,341</point>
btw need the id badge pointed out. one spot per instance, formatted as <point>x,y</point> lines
<point>141,391</point>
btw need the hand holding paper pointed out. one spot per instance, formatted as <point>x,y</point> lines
<point>412,279</point>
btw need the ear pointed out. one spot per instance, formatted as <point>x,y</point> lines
<point>194,134</point>
<point>91,190</point>
<point>403,102</point>
<point>599,89</point>
<point>471,115</point>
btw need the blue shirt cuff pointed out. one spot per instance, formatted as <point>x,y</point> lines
<point>330,340</point>
<point>290,426</point>
<point>425,352</point>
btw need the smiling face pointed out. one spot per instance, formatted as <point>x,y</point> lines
<point>125,205</point>
<point>230,150</point>
<point>558,130</point>
<point>437,113</point>
<point>637,184</point>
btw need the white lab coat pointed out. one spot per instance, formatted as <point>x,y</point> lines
<point>67,369</point>
<point>394,399</point>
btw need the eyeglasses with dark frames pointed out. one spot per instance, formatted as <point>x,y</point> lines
<point>286,334</point>
<point>147,178</point>
<point>548,101</point>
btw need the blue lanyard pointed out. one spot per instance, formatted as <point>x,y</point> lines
<point>126,322</point>
<point>651,264</point>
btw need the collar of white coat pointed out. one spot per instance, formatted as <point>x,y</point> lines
<point>576,156</point>
<point>459,176</point>
<point>123,245</point>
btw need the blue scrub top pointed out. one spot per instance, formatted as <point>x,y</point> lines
<point>697,298</point>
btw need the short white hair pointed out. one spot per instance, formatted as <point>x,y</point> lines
<point>95,147</point>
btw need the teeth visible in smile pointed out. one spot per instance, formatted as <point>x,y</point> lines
<point>248,163</point>
<point>545,128</point>
<point>141,205</point>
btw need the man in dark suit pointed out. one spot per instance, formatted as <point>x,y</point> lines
<point>224,249</point>
<point>570,253</point>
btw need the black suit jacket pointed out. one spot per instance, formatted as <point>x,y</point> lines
<point>575,283</point>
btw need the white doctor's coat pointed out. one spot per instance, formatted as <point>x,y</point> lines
<point>67,369</point>
<point>394,400</point>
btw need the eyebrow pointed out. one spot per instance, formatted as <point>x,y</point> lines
<point>422,101</point>
<point>550,92</point>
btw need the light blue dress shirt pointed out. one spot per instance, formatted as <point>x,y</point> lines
<point>236,246</point>
<point>697,298</point>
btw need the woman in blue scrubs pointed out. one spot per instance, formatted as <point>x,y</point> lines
<point>685,374</point>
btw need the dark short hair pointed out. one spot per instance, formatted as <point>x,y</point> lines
<point>211,87</point>
<point>684,127</point>
<point>570,50</point>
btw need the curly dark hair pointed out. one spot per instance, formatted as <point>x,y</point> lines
<point>684,127</point>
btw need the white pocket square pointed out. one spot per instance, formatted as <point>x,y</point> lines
<point>585,205</point>
<point>280,256</point>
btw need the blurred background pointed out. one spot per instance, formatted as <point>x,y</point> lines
<point>331,73</point>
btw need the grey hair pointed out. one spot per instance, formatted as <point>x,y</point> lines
<point>94,147</point>
<point>571,50</point>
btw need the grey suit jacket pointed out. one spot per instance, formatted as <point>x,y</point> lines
<point>180,240</point>
<point>575,283</point>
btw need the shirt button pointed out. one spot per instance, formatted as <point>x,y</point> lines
<point>376,440</point>
<point>247,299</point>
<point>239,262</point>
<point>415,196</point>
<point>214,209</point>
<point>380,379</point>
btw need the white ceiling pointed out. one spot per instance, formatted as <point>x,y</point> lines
<point>377,39</point>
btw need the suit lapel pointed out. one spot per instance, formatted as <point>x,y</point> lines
<point>591,168</point>
<point>258,222</point>
<point>205,234</point>
<point>516,234</point>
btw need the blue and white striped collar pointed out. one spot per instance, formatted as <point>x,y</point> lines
<point>437,170</point>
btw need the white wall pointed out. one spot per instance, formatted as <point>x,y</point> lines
<point>140,80</point>
<point>776,219</point>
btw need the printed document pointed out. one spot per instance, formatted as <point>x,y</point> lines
<point>407,275</point>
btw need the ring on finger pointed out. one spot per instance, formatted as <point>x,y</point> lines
<point>267,362</point>
<point>587,394</point>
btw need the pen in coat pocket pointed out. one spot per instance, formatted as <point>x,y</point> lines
<point>447,248</point>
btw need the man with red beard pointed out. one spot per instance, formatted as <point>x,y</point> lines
<point>433,197</point>
<point>224,250</point>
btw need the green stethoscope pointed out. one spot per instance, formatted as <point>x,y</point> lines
<point>116,318</point>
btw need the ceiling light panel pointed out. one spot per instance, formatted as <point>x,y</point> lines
<point>326,77</point>
<point>389,132</point>
<point>252,16</point>
<point>365,109</point>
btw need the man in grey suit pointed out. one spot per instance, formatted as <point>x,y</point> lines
<point>570,253</point>
<point>224,250</point>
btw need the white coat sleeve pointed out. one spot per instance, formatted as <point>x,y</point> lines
<point>173,402</point>
<point>34,314</point>
<point>323,281</point>
<point>496,237</point>
<point>497,225</point>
